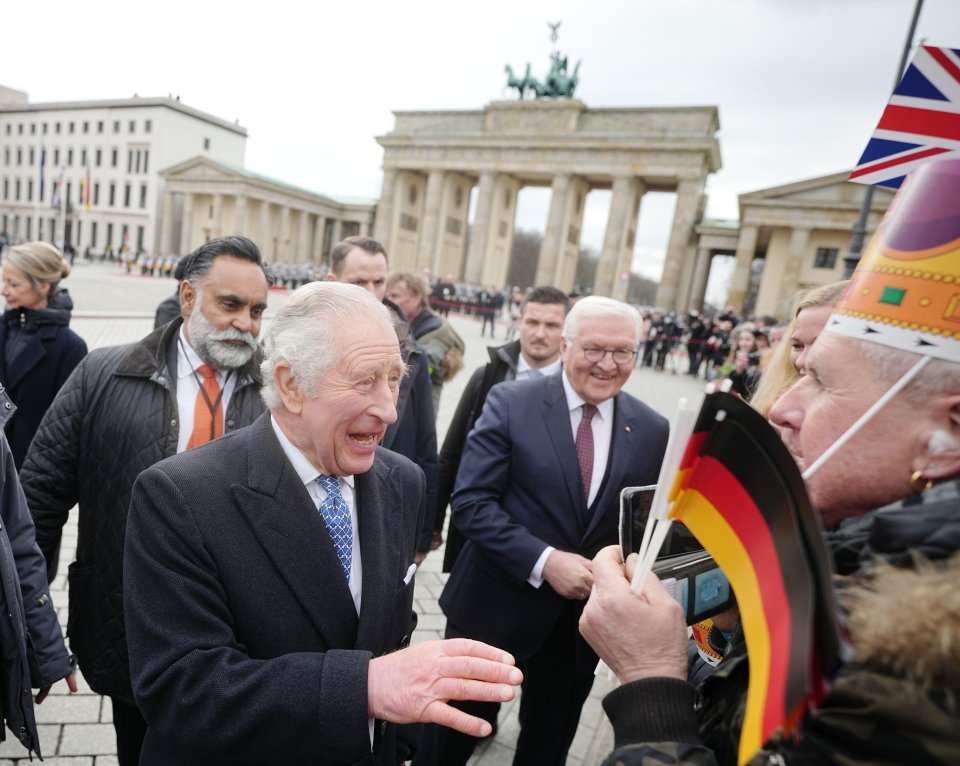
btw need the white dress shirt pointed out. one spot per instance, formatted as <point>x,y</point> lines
<point>602,427</point>
<point>308,475</point>
<point>187,388</point>
<point>525,371</point>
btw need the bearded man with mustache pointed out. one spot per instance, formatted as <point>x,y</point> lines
<point>123,409</point>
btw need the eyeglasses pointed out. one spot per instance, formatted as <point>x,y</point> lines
<point>619,355</point>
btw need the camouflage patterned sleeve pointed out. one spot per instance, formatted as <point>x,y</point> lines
<point>654,723</point>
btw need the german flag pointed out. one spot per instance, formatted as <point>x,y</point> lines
<point>740,492</point>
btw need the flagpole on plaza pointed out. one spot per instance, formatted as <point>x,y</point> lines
<point>852,258</point>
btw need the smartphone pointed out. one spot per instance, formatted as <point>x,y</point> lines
<point>697,582</point>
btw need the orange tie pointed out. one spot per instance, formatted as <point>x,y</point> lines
<point>207,418</point>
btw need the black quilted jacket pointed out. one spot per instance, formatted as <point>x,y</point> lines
<point>115,416</point>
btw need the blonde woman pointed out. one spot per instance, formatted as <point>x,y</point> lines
<point>786,364</point>
<point>38,351</point>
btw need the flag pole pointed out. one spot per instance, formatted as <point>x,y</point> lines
<point>859,232</point>
<point>62,222</point>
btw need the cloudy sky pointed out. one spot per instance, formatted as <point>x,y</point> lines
<point>799,83</point>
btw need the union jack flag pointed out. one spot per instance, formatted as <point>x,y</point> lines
<point>921,122</point>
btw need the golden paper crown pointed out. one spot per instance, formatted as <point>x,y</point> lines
<point>905,292</point>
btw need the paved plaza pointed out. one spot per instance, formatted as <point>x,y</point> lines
<point>112,307</point>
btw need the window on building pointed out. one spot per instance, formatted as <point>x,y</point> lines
<point>86,126</point>
<point>129,160</point>
<point>206,143</point>
<point>137,161</point>
<point>98,155</point>
<point>70,127</point>
<point>33,128</point>
<point>146,159</point>
<point>19,128</point>
<point>19,157</point>
<point>140,232</point>
<point>69,158</point>
<point>93,234</point>
<point>6,188</point>
<point>56,128</point>
<point>29,228</point>
<point>83,158</point>
<point>114,156</point>
<point>133,126</point>
<point>99,126</point>
<point>96,193</point>
<point>147,126</point>
<point>826,258</point>
<point>16,194</point>
<point>143,197</point>
<point>56,157</point>
<point>29,190</point>
<point>8,129</point>
<point>126,195</point>
<point>113,194</point>
<point>32,156</point>
<point>44,128</point>
<point>116,126</point>
<point>109,242</point>
<point>69,191</point>
<point>6,156</point>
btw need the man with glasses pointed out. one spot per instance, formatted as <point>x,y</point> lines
<point>536,497</point>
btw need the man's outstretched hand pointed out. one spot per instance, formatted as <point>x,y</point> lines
<point>414,684</point>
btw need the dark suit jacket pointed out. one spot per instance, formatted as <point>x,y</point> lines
<point>245,645</point>
<point>519,490</point>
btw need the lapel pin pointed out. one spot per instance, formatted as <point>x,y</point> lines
<point>627,429</point>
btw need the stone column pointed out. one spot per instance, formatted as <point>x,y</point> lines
<point>701,272</point>
<point>746,249</point>
<point>496,262</point>
<point>216,215</point>
<point>319,245</point>
<point>796,253</point>
<point>477,249</point>
<point>384,223</point>
<point>186,225</point>
<point>452,228</point>
<point>166,224</point>
<point>283,236</point>
<point>618,240</point>
<point>263,231</point>
<point>681,234</point>
<point>553,237</point>
<point>430,225</point>
<point>338,231</point>
<point>240,216</point>
<point>303,239</point>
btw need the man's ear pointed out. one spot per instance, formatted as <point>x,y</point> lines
<point>331,277</point>
<point>290,393</point>
<point>943,445</point>
<point>188,298</point>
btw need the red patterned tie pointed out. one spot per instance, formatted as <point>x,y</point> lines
<point>585,448</point>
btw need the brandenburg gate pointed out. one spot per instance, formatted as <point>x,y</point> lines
<point>432,161</point>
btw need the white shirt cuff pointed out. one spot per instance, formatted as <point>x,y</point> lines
<point>536,575</point>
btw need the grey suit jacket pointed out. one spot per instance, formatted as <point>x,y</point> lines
<point>245,644</point>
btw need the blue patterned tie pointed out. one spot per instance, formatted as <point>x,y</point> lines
<point>336,515</point>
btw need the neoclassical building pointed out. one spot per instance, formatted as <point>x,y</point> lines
<point>152,174</point>
<point>432,161</point>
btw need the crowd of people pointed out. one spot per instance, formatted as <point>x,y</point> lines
<point>252,513</point>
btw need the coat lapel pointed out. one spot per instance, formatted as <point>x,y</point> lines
<point>33,352</point>
<point>556,416</point>
<point>292,533</point>
<point>380,505</point>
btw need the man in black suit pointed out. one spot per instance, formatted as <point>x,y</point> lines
<point>536,497</point>
<point>269,575</point>
<point>362,261</point>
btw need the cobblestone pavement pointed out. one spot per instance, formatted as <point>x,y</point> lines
<point>76,730</point>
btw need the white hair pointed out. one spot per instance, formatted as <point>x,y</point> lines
<point>889,364</point>
<point>598,307</point>
<point>303,333</point>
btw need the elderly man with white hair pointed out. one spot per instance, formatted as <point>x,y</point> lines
<point>269,574</point>
<point>875,425</point>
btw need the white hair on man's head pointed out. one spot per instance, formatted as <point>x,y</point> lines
<point>304,333</point>
<point>598,307</point>
<point>890,364</point>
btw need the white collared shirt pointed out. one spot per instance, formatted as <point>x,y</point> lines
<point>525,371</point>
<point>602,426</point>
<point>187,388</point>
<point>308,474</point>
